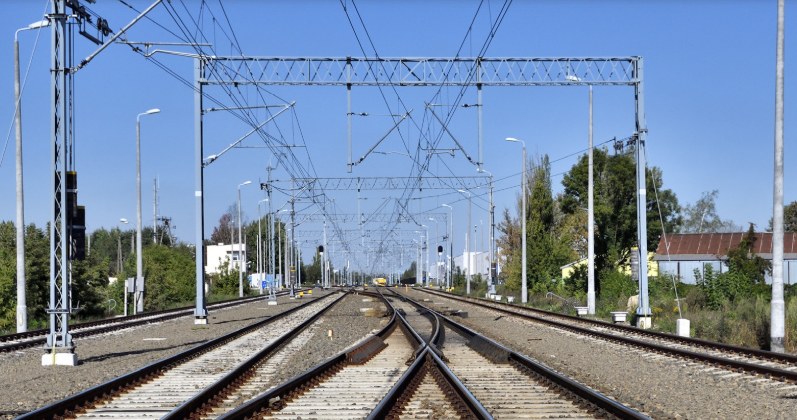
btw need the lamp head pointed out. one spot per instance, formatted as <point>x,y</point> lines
<point>152,111</point>
<point>123,220</point>
<point>244,183</point>
<point>40,24</point>
<point>512,139</point>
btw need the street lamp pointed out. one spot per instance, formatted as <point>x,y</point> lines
<point>467,242</point>
<point>119,260</point>
<point>425,244</point>
<point>451,245</point>
<point>524,288</point>
<point>138,295</point>
<point>437,262</point>
<point>22,309</point>
<point>240,244</point>
<point>590,212</point>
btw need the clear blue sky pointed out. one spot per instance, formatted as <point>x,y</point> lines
<point>709,84</point>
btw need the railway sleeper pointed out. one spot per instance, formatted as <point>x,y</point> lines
<point>362,354</point>
<point>553,386</point>
<point>488,349</point>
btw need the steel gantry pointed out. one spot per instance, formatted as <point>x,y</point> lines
<point>478,72</point>
<point>391,183</point>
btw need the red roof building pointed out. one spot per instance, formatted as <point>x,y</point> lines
<point>683,253</point>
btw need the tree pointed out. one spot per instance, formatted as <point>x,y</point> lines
<point>702,216</point>
<point>169,274</point>
<point>547,250</point>
<point>789,218</point>
<point>312,271</point>
<point>227,230</point>
<point>615,205</point>
<point>743,261</point>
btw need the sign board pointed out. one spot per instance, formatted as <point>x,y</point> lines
<point>139,284</point>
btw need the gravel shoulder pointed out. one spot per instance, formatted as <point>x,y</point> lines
<point>28,385</point>
<point>660,386</point>
<point>349,325</point>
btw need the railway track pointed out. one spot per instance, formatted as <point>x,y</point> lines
<point>777,366</point>
<point>157,389</point>
<point>420,320</point>
<point>393,374</point>
<point>346,386</point>
<point>19,341</point>
<point>505,384</point>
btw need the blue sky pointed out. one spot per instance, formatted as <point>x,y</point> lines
<point>709,85</point>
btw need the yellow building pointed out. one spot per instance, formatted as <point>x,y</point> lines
<point>653,267</point>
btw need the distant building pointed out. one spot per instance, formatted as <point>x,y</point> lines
<point>653,267</point>
<point>688,252</point>
<point>477,263</point>
<point>217,254</point>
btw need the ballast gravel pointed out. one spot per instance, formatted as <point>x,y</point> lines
<point>28,385</point>
<point>659,386</point>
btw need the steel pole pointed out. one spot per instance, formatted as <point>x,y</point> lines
<point>200,308</point>
<point>467,245</point>
<point>524,295</point>
<point>778,328</point>
<point>590,222</point>
<point>259,246</point>
<point>643,311</point>
<point>22,309</point>
<point>240,251</point>
<point>139,301</point>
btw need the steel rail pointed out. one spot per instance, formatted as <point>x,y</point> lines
<point>713,345</point>
<point>284,391</point>
<point>771,372</point>
<point>429,354</point>
<point>117,323</point>
<point>493,349</point>
<point>69,405</point>
<point>204,400</point>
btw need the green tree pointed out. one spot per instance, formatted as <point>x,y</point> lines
<point>744,262</point>
<point>37,275</point>
<point>546,248</point>
<point>312,271</point>
<point>225,281</point>
<point>615,205</point>
<point>789,218</point>
<point>169,274</point>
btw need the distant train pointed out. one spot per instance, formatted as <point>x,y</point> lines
<point>380,281</point>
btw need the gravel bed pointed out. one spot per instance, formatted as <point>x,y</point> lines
<point>28,385</point>
<point>660,386</point>
<point>349,325</point>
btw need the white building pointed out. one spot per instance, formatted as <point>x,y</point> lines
<point>478,262</point>
<point>217,254</point>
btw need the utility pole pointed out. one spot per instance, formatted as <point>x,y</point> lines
<point>59,340</point>
<point>778,328</point>
<point>324,277</point>
<point>293,236</point>
<point>155,211</point>
<point>22,308</point>
<point>643,310</point>
<point>590,222</point>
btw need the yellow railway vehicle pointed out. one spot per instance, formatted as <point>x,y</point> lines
<point>380,281</point>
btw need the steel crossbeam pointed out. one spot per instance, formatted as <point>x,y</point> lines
<point>366,218</point>
<point>391,183</point>
<point>353,71</point>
